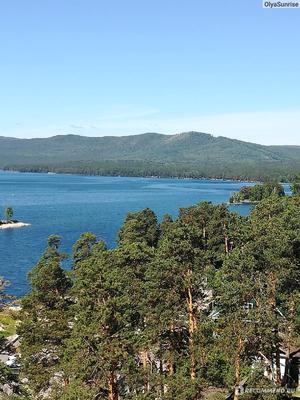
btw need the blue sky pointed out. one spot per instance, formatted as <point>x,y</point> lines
<point>116,67</point>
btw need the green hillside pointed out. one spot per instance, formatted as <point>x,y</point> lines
<point>185,154</point>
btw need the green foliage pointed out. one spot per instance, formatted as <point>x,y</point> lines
<point>3,295</point>
<point>103,344</point>
<point>5,375</point>
<point>253,194</point>
<point>140,227</point>
<point>296,185</point>
<point>83,248</point>
<point>8,323</point>
<point>8,212</point>
<point>208,299</point>
<point>187,155</point>
<point>44,319</point>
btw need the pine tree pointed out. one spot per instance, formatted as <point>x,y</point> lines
<point>44,321</point>
<point>141,226</point>
<point>177,293</point>
<point>165,223</point>
<point>82,249</point>
<point>235,293</point>
<point>270,247</point>
<point>101,353</point>
<point>206,299</point>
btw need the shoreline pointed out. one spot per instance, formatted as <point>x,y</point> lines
<point>175,177</point>
<point>242,203</point>
<point>13,225</point>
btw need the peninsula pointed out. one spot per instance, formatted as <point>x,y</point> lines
<point>255,194</point>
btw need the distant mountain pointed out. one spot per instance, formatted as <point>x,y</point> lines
<point>192,149</point>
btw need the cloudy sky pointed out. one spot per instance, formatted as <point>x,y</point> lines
<point>95,67</point>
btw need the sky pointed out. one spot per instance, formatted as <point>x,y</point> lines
<point>116,67</point>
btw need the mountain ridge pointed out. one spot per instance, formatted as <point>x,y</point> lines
<point>200,151</point>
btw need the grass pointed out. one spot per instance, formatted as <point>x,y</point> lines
<point>8,322</point>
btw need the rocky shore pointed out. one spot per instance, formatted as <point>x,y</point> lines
<point>12,224</point>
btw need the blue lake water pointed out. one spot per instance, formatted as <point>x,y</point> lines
<point>68,205</point>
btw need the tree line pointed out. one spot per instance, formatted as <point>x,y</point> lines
<point>206,300</point>
<point>283,171</point>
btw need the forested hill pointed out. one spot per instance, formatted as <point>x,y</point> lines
<point>185,154</point>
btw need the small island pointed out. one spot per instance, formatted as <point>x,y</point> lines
<point>8,222</point>
<point>256,193</point>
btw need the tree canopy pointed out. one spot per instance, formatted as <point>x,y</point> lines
<point>256,193</point>
<point>206,300</point>
<point>8,212</point>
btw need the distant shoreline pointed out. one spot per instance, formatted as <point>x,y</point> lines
<point>175,177</point>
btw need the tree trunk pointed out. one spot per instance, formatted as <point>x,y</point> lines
<point>171,366</point>
<point>273,286</point>
<point>237,364</point>
<point>226,245</point>
<point>112,386</point>
<point>286,379</point>
<point>192,329</point>
<point>161,374</point>
<point>171,359</point>
<point>291,318</point>
<point>144,356</point>
<point>226,240</point>
<point>277,361</point>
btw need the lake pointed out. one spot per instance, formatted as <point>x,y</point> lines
<point>68,205</point>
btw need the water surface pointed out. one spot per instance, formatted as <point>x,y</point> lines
<point>68,205</point>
